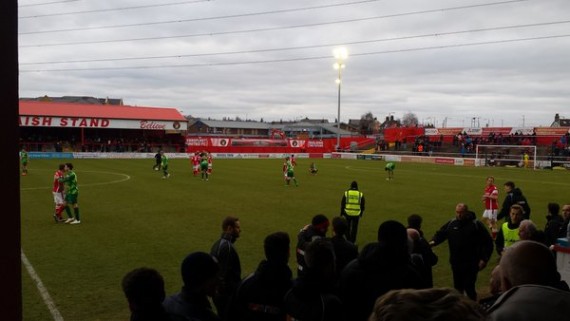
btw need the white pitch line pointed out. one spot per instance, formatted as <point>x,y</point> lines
<point>42,289</point>
<point>124,179</point>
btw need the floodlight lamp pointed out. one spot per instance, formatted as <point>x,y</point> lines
<point>340,53</point>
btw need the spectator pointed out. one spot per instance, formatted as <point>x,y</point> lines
<point>344,250</point>
<point>311,297</point>
<point>514,196</point>
<point>531,285</point>
<point>470,248</point>
<point>381,266</point>
<point>415,222</point>
<point>316,230</point>
<point>199,272</point>
<point>566,217</point>
<point>494,289</point>
<point>422,256</point>
<point>529,232</point>
<point>144,289</point>
<point>426,305</point>
<point>509,232</point>
<point>554,223</point>
<point>230,267</point>
<point>260,295</point>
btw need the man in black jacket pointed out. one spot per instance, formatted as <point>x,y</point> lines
<point>422,256</point>
<point>158,161</point>
<point>144,289</point>
<point>470,247</point>
<point>230,267</point>
<point>260,295</point>
<point>554,223</point>
<point>200,276</point>
<point>344,250</point>
<point>312,296</point>
<point>514,196</point>
<point>380,267</point>
<point>314,231</point>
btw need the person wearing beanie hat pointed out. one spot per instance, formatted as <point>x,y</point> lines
<point>352,208</point>
<point>199,272</point>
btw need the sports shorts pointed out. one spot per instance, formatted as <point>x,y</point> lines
<point>490,214</point>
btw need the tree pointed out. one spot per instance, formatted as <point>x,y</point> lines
<point>410,120</point>
<point>367,123</point>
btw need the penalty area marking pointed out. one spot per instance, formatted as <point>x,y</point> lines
<point>124,178</point>
<point>42,289</point>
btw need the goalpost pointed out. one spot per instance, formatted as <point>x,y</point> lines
<point>506,155</point>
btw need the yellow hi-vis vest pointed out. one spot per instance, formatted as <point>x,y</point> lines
<point>511,236</point>
<point>352,206</point>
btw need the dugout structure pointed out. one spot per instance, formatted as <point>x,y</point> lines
<point>505,155</point>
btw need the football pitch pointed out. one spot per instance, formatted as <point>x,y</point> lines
<point>131,217</point>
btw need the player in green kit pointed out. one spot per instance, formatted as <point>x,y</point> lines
<point>204,166</point>
<point>313,169</point>
<point>164,164</point>
<point>290,174</point>
<point>390,166</point>
<point>71,194</point>
<point>24,161</point>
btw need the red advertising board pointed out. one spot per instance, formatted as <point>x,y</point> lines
<point>271,145</point>
<point>446,161</point>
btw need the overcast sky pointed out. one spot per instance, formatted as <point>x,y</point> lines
<point>451,62</point>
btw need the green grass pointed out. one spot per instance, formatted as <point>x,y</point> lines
<point>132,218</point>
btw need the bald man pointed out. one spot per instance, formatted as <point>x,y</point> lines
<point>531,285</point>
<point>470,247</point>
<point>494,289</point>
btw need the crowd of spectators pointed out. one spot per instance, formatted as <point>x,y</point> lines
<point>464,145</point>
<point>104,144</point>
<point>389,279</point>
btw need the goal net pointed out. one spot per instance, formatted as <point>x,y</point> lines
<point>506,155</point>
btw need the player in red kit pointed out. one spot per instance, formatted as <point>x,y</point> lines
<point>196,163</point>
<point>293,160</point>
<point>489,198</point>
<point>209,171</point>
<point>285,166</point>
<point>58,196</point>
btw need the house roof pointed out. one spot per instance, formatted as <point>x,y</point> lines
<point>61,109</point>
<point>561,123</point>
<point>334,129</point>
<point>260,125</point>
<point>79,100</point>
<point>234,124</point>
